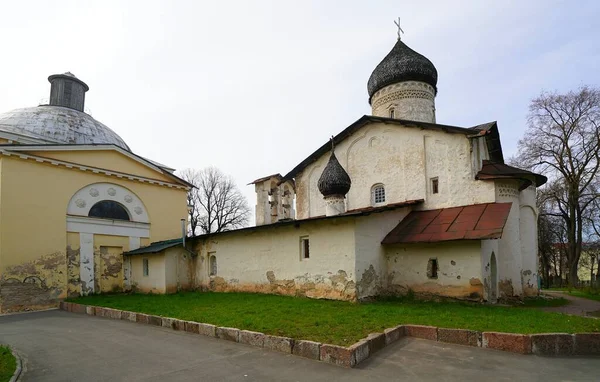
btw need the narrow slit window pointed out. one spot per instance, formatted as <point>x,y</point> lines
<point>378,194</point>
<point>435,185</point>
<point>432,269</point>
<point>146,267</point>
<point>213,265</point>
<point>304,248</point>
<point>392,113</point>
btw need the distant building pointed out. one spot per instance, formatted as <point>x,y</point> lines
<point>73,197</point>
<point>394,203</point>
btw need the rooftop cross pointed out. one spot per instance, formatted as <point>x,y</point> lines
<point>399,28</point>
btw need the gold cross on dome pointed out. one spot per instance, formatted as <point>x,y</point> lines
<point>399,28</point>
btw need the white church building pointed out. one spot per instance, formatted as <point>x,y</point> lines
<point>393,203</point>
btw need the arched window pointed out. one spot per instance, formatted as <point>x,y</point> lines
<point>378,194</point>
<point>108,209</point>
<point>392,113</point>
<point>213,265</point>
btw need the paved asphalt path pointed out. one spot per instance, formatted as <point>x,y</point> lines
<point>578,306</point>
<point>60,346</point>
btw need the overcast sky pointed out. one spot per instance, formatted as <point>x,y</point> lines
<point>253,87</point>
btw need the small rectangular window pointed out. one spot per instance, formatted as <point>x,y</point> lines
<point>435,186</point>
<point>432,268</point>
<point>304,248</point>
<point>146,267</point>
<point>392,113</point>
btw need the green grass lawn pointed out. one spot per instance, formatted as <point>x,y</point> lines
<point>338,322</point>
<point>8,364</point>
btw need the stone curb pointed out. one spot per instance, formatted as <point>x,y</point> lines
<point>546,344</point>
<point>18,367</point>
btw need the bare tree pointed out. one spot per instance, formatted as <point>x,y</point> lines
<point>562,141</point>
<point>588,261</point>
<point>192,176</point>
<point>216,204</point>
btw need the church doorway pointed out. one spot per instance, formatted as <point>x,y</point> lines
<point>493,279</point>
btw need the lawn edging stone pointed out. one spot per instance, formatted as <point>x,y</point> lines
<point>376,342</point>
<point>229,334</point>
<point>421,331</point>
<point>459,336</point>
<point>394,334</point>
<point>339,355</point>
<point>208,330</point>
<point>251,338</point>
<point>545,344</point>
<point>307,349</point>
<point>515,343</point>
<point>192,327</point>
<point>587,344</point>
<point>553,344</point>
<point>280,344</point>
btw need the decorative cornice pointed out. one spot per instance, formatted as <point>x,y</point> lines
<point>95,170</point>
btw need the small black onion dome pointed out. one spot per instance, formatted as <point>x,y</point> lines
<point>402,64</point>
<point>334,180</point>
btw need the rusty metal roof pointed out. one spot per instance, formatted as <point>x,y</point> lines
<point>472,222</point>
<point>492,170</point>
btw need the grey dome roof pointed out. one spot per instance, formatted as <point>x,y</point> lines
<point>402,64</point>
<point>56,124</point>
<point>334,180</point>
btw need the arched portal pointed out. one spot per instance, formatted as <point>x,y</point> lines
<point>103,221</point>
<point>493,278</point>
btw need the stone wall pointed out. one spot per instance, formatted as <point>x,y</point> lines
<point>270,261</point>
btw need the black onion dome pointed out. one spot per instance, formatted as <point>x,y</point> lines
<point>334,180</point>
<point>402,64</point>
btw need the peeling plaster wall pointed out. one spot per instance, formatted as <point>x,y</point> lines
<point>73,264</point>
<point>403,159</point>
<point>179,270</point>
<point>371,263</point>
<point>38,256</point>
<point>490,283</point>
<point>156,281</point>
<point>509,246</point>
<point>459,269</point>
<point>528,229</point>
<point>35,284</point>
<point>268,261</point>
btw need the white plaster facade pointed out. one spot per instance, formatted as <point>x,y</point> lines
<point>404,159</point>
<point>410,100</point>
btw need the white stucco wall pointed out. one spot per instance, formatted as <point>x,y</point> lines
<point>268,260</point>
<point>411,100</point>
<point>371,263</point>
<point>403,159</point>
<point>155,282</point>
<point>509,246</point>
<point>529,241</point>
<point>459,272</point>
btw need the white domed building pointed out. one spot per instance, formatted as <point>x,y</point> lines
<point>73,198</point>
